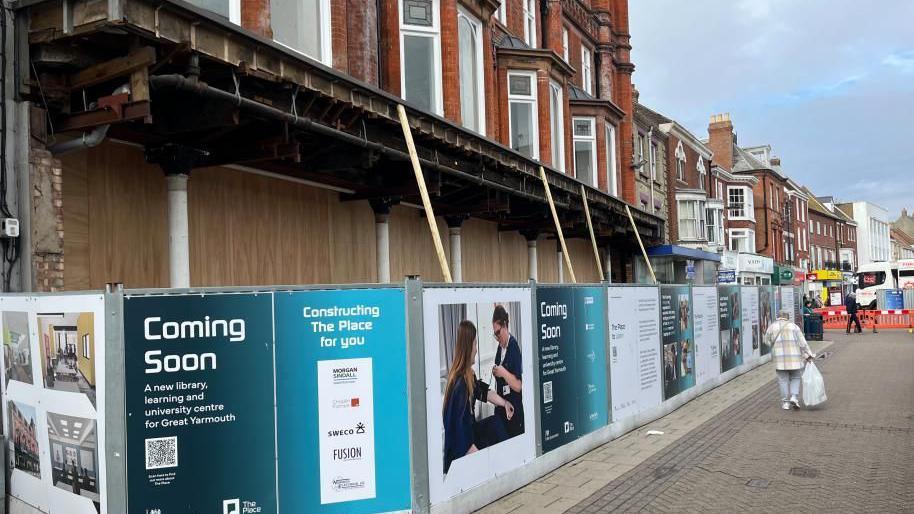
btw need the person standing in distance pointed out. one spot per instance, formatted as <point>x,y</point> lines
<point>789,352</point>
<point>508,372</point>
<point>850,303</point>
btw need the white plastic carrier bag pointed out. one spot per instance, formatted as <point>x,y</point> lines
<point>813,386</point>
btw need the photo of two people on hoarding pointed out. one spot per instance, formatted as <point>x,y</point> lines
<point>677,360</point>
<point>481,377</point>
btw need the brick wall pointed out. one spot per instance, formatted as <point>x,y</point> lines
<point>46,230</point>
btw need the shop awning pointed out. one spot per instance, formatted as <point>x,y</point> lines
<point>682,251</point>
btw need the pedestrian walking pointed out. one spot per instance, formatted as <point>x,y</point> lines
<point>850,303</point>
<point>789,351</point>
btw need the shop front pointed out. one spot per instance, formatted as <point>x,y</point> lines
<point>754,269</point>
<point>827,285</point>
<point>682,265</point>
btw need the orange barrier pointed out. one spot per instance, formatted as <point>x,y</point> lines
<point>874,320</point>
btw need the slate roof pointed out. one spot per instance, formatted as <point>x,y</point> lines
<point>509,41</point>
<point>576,93</point>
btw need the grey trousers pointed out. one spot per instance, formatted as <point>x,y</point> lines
<point>789,382</point>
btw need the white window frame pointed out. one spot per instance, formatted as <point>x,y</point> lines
<point>592,139</point>
<point>700,223</point>
<point>532,100</point>
<point>715,214</point>
<point>480,68</point>
<point>235,12</point>
<point>586,70</point>
<point>529,22</point>
<point>564,42</point>
<point>611,182</point>
<point>680,162</point>
<point>433,32</point>
<point>700,167</point>
<point>502,13</point>
<point>558,137</point>
<point>652,153</point>
<point>748,204</point>
<point>735,234</point>
<point>326,56</point>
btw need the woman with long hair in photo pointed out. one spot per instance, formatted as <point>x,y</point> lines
<point>463,435</point>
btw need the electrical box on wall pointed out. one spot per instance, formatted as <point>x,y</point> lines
<point>9,227</point>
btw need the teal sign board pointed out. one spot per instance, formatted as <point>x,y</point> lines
<point>572,340</point>
<point>677,338</point>
<point>199,399</point>
<point>342,401</point>
<point>731,347</point>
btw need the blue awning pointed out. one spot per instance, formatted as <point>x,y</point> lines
<point>682,251</point>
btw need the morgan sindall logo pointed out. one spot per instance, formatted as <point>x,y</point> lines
<point>231,506</point>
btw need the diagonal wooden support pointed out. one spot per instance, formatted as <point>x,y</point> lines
<point>558,225</point>
<point>593,238</point>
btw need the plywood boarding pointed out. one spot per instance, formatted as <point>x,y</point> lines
<point>581,253</point>
<point>492,256</point>
<point>412,251</point>
<point>115,224</point>
<point>547,260</point>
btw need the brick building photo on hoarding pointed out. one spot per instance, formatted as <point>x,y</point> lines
<point>253,142</point>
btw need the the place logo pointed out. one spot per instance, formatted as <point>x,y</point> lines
<point>237,506</point>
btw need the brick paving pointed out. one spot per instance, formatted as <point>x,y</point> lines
<point>733,448</point>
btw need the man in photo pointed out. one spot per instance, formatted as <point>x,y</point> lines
<point>683,312</point>
<point>507,372</point>
<point>669,363</point>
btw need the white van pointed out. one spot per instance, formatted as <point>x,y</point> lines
<point>906,274</point>
<point>873,277</point>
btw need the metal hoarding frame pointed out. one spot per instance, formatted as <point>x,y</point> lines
<point>115,399</point>
<point>415,362</point>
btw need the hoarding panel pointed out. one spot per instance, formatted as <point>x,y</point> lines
<point>731,322</point>
<point>677,332</point>
<point>707,332</point>
<point>634,350</point>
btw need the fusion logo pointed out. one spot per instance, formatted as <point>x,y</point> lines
<point>345,375</point>
<point>347,454</point>
<point>359,429</point>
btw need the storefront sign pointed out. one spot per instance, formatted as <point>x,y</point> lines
<point>200,434</point>
<point>726,276</point>
<point>894,299</point>
<point>751,263</point>
<point>825,275</point>
<point>572,337</point>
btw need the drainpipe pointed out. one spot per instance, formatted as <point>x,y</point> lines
<point>88,139</point>
<point>650,165</point>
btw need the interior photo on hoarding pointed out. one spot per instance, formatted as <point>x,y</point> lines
<point>481,376</point>
<point>67,346</point>
<point>74,455</point>
<point>17,350</point>
<point>24,438</point>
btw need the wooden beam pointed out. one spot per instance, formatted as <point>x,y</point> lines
<point>643,251</point>
<point>558,225</point>
<point>426,202</point>
<point>118,67</point>
<point>593,239</point>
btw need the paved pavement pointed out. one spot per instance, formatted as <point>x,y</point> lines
<point>734,449</point>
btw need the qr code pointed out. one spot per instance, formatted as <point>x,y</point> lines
<point>547,392</point>
<point>162,452</point>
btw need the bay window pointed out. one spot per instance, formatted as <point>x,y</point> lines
<point>586,70</point>
<point>740,203</point>
<point>692,221</point>
<point>557,125</point>
<point>304,26</point>
<point>585,150</point>
<point>715,231</point>
<point>472,98</point>
<point>611,183</point>
<point>522,111</point>
<point>742,240</point>
<point>420,54</point>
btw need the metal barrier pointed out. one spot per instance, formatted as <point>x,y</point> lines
<point>875,319</point>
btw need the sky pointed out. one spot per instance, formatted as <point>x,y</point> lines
<point>829,84</point>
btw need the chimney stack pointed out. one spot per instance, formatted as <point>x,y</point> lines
<point>721,140</point>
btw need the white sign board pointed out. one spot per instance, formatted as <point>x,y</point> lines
<point>53,401</point>
<point>707,332</point>
<point>751,334</point>
<point>634,352</point>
